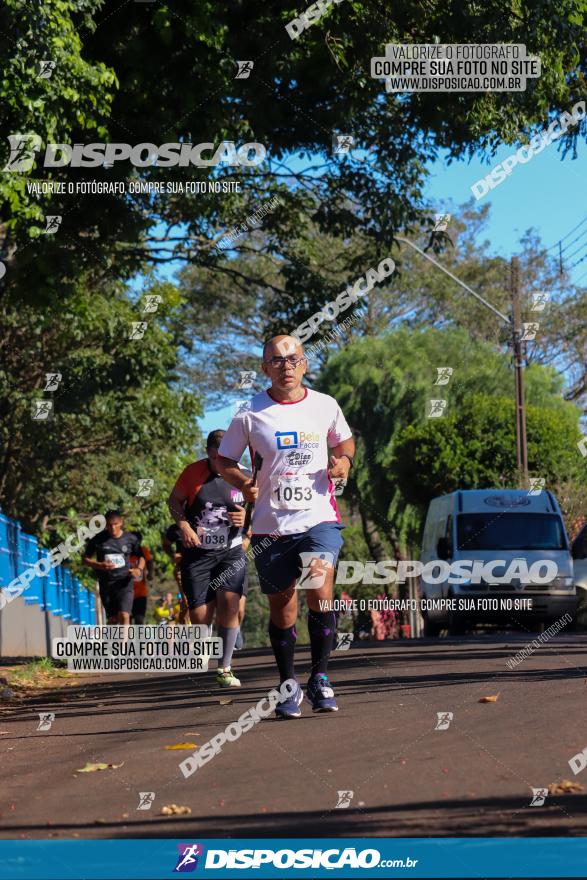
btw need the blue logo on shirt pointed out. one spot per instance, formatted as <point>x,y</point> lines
<point>287,439</point>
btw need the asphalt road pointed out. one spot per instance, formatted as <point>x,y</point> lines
<point>282,778</point>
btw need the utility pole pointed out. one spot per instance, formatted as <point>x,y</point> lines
<point>515,325</point>
<point>518,350</point>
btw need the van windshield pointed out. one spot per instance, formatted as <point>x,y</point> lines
<point>510,531</point>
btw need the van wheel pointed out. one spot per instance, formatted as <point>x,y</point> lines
<point>431,629</point>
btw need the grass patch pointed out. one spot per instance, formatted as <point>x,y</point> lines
<point>36,674</point>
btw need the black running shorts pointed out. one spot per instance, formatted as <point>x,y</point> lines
<point>204,573</point>
<point>117,597</point>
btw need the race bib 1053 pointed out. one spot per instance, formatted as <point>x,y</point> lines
<point>292,491</point>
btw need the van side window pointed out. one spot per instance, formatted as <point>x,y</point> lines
<point>579,548</point>
<point>448,536</point>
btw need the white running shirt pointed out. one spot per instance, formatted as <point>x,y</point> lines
<point>295,491</point>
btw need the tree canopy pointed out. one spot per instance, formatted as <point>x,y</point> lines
<point>150,73</point>
<point>405,457</point>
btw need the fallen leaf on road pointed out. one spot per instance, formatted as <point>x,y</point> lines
<point>174,810</point>
<point>492,699</point>
<point>91,768</point>
<point>181,746</point>
<point>564,787</point>
<point>224,702</point>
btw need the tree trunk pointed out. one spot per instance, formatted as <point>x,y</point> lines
<point>371,534</point>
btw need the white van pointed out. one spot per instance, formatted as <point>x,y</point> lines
<point>498,529</point>
<point>579,552</point>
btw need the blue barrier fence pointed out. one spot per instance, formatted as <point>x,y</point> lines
<point>59,592</point>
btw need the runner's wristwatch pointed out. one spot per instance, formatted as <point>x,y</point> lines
<point>344,455</point>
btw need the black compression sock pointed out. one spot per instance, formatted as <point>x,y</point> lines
<point>283,642</point>
<point>322,629</point>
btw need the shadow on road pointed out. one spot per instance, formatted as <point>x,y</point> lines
<point>474,817</point>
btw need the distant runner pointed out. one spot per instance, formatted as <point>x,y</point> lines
<point>141,589</point>
<point>113,549</point>
<point>292,428</point>
<point>210,515</point>
<point>163,609</point>
<point>173,547</point>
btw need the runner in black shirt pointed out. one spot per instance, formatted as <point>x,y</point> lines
<point>113,548</point>
<point>210,515</point>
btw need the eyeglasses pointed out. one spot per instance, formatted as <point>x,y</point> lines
<point>292,360</point>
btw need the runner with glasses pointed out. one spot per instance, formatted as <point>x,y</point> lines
<point>293,428</point>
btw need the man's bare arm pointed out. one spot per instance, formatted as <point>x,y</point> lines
<point>176,504</point>
<point>231,472</point>
<point>340,465</point>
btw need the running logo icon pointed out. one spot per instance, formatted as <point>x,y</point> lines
<point>247,378</point>
<point>52,223</point>
<point>314,570</point>
<point>52,381</point>
<point>530,331</point>
<point>342,143</point>
<point>537,484</point>
<point>539,301</point>
<point>152,303</point>
<point>146,799</point>
<point>46,68</point>
<point>241,408</point>
<point>539,795</point>
<point>188,857</point>
<point>138,329</point>
<point>46,719</point>
<point>41,410</point>
<point>441,222</point>
<point>344,799</point>
<point>444,719</point>
<point>22,151</point>
<point>437,408</point>
<point>444,374</point>
<point>244,69</point>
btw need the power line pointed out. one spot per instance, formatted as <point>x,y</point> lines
<point>560,241</point>
<point>579,261</point>
<point>571,243</point>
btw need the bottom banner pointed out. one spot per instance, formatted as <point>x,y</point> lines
<point>474,857</point>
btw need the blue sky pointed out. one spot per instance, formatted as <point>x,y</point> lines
<point>546,193</point>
